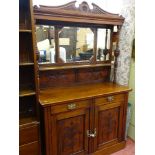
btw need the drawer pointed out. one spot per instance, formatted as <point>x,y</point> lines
<point>28,134</point>
<point>29,149</point>
<point>70,106</point>
<point>109,99</point>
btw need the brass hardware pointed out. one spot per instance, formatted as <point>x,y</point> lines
<point>110,98</point>
<point>72,106</point>
<point>90,134</point>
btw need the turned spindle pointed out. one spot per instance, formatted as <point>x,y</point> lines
<point>105,51</point>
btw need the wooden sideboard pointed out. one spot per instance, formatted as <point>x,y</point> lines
<point>84,119</point>
<point>82,109</point>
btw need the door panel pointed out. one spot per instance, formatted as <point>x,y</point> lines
<point>70,132</point>
<point>109,127</point>
<point>108,120</point>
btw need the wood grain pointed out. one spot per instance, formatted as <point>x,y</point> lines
<point>78,92</point>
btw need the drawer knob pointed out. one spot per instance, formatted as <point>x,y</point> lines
<point>110,98</point>
<point>72,106</point>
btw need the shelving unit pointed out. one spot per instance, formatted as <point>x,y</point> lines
<point>26,64</point>
<point>26,92</point>
<point>28,104</point>
<point>26,31</point>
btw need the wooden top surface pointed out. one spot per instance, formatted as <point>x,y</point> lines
<point>57,95</point>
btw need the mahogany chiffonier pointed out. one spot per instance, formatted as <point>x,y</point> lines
<point>82,109</point>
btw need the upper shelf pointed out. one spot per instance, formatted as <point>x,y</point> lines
<point>25,30</point>
<point>26,92</point>
<point>46,68</point>
<point>26,122</point>
<point>82,14</point>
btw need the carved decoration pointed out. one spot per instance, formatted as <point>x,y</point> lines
<point>68,6</point>
<point>83,7</point>
<point>73,76</point>
<point>96,9</point>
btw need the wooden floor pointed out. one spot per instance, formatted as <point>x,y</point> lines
<point>128,150</point>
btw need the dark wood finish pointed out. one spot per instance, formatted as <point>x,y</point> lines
<point>64,67</point>
<point>27,121</point>
<point>105,100</point>
<point>69,15</point>
<point>26,64</point>
<point>25,30</point>
<point>109,131</point>
<point>29,149</point>
<point>105,51</point>
<point>29,132</point>
<point>106,115</point>
<point>25,48</point>
<point>26,78</point>
<point>26,92</point>
<point>24,16</point>
<point>69,129</point>
<point>82,111</point>
<point>111,149</point>
<point>111,44</point>
<point>64,107</point>
<point>52,78</point>
<point>64,94</point>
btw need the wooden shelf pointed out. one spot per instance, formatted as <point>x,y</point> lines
<point>46,68</point>
<point>79,92</point>
<point>26,92</point>
<point>29,121</point>
<point>26,64</point>
<point>25,30</point>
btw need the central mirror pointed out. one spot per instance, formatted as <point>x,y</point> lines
<point>76,44</point>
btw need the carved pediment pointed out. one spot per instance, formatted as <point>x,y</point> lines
<point>78,14</point>
<point>83,7</point>
<point>68,6</point>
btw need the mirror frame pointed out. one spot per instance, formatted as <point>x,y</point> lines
<point>82,16</point>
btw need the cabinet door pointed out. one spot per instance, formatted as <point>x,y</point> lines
<point>108,124</point>
<point>69,132</point>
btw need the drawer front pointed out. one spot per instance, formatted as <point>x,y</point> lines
<point>109,99</point>
<point>29,149</point>
<point>28,134</point>
<point>70,106</point>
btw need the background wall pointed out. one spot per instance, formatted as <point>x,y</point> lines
<point>127,35</point>
<point>131,131</point>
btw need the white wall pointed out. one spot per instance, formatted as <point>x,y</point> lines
<point>131,131</point>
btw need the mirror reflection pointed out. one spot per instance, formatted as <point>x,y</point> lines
<point>45,43</point>
<point>76,44</point>
<point>103,44</point>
